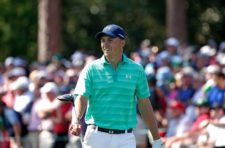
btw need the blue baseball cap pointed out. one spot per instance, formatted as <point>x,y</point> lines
<point>111,30</point>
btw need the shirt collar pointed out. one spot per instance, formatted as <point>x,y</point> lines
<point>124,60</point>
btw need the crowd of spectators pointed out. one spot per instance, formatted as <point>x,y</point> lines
<point>187,88</point>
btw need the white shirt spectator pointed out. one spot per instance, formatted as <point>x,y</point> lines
<point>217,133</point>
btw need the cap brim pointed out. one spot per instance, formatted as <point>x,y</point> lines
<point>100,34</point>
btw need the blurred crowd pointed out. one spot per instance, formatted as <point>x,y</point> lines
<point>187,88</point>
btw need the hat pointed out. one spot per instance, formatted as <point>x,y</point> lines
<point>201,102</point>
<point>164,76</point>
<point>207,50</point>
<point>19,62</point>
<point>177,105</point>
<point>212,69</point>
<point>42,74</point>
<point>20,83</point>
<point>78,58</point>
<point>112,30</point>
<point>149,69</point>
<point>188,71</point>
<point>221,58</point>
<point>163,73</point>
<point>49,87</point>
<point>17,72</point>
<point>172,42</point>
<point>9,61</point>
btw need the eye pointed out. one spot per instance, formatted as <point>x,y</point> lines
<point>110,39</point>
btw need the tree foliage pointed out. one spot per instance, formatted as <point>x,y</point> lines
<point>81,19</point>
<point>206,20</point>
<point>18,28</point>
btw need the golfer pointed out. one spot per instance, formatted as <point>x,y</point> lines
<point>109,89</point>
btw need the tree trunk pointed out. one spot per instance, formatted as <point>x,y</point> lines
<point>48,29</point>
<point>176,20</point>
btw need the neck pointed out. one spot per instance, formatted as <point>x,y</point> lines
<point>115,61</point>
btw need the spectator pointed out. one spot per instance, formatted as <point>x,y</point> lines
<point>10,126</point>
<point>158,100</point>
<point>171,49</point>
<point>45,108</point>
<point>216,128</point>
<point>178,123</point>
<point>189,138</point>
<point>186,90</point>
<point>144,51</point>
<point>217,93</point>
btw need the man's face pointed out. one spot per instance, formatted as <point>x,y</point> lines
<point>112,47</point>
<point>50,95</point>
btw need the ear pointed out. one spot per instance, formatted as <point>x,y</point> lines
<point>123,42</point>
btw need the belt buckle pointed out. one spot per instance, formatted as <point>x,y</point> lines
<point>111,132</point>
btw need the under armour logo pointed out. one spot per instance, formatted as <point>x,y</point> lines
<point>128,76</point>
<point>108,28</point>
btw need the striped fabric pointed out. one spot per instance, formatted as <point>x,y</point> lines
<point>112,93</point>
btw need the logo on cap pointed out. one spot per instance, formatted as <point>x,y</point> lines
<point>111,30</point>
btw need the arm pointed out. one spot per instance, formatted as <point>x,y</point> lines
<point>191,135</point>
<point>14,121</point>
<point>80,107</point>
<point>147,115</point>
<point>45,111</point>
<point>17,133</point>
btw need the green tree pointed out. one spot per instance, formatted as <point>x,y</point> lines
<point>206,20</point>
<point>82,19</point>
<point>18,28</point>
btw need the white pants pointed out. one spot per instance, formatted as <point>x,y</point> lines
<point>97,139</point>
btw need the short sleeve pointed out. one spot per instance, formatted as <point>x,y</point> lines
<point>83,86</point>
<point>142,90</point>
<point>11,116</point>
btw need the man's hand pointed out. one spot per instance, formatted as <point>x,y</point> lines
<point>75,129</point>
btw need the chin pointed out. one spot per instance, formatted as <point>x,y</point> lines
<point>107,54</point>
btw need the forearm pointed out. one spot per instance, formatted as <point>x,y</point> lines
<point>147,115</point>
<point>80,107</point>
<point>52,107</point>
<point>17,133</point>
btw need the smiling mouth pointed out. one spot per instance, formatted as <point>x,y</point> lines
<point>106,50</point>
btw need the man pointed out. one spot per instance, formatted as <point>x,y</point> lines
<point>190,137</point>
<point>109,88</point>
<point>46,108</point>
<point>217,93</point>
<point>216,128</point>
<point>10,125</point>
<point>177,124</point>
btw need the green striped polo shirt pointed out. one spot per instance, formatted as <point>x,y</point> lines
<point>112,93</point>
